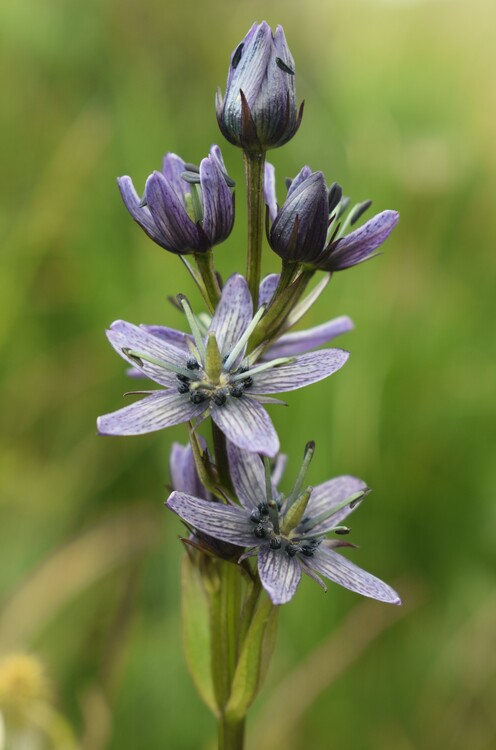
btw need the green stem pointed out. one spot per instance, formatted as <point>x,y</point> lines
<point>231,734</point>
<point>205,263</point>
<point>221,460</point>
<point>254,175</point>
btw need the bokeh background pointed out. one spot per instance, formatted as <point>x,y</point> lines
<point>400,107</point>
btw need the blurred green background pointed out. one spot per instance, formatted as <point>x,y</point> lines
<point>400,107</point>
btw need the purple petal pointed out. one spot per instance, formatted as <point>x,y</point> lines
<point>279,468</point>
<point>269,190</point>
<point>267,288</point>
<point>177,339</point>
<point>160,409</point>
<point>123,335</point>
<point>330,495</point>
<point>226,522</point>
<point>304,370</point>
<point>248,476</point>
<point>280,574</point>
<point>302,341</point>
<point>218,205</point>
<point>141,214</point>
<point>303,174</point>
<point>246,423</point>
<point>178,230</point>
<point>184,476</point>
<point>172,169</point>
<point>359,244</point>
<point>233,313</point>
<point>340,570</point>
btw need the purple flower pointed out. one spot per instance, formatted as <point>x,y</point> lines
<point>259,109</point>
<point>184,209</point>
<point>287,534</point>
<point>210,374</point>
<point>307,228</point>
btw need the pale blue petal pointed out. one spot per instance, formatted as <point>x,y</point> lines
<point>233,313</point>
<point>160,409</point>
<point>225,522</point>
<point>340,570</point>
<point>246,423</point>
<point>280,574</point>
<point>304,370</point>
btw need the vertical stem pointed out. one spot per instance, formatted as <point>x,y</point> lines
<point>231,734</point>
<point>205,263</point>
<point>221,460</point>
<point>254,174</point>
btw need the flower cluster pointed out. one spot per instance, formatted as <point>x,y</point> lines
<point>241,351</point>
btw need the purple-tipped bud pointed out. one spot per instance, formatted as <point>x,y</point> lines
<point>184,210</point>
<point>299,230</point>
<point>259,109</point>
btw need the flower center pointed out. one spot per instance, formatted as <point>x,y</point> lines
<point>201,387</point>
<point>264,529</point>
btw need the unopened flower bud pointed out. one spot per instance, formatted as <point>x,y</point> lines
<point>259,109</point>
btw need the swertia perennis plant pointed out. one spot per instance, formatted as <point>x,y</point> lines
<point>247,544</point>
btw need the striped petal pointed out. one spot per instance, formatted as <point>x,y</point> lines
<point>123,335</point>
<point>304,370</point>
<point>184,476</point>
<point>167,209</point>
<point>160,409</point>
<point>340,570</point>
<point>247,475</point>
<point>233,313</point>
<point>280,574</point>
<point>267,288</point>
<point>218,204</point>
<point>246,423</point>
<point>225,522</point>
<point>299,342</point>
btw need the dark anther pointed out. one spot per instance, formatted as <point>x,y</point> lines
<point>183,387</point>
<point>335,195</point>
<point>255,516</point>
<point>260,531</point>
<point>191,167</point>
<point>237,390</point>
<point>285,68</point>
<point>359,211</point>
<point>247,382</point>
<point>220,398</point>
<point>225,358</point>
<point>192,364</point>
<point>243,369</point>
<point>263,508</point>
<point>237,56</point>
<point>342,530</point>
<point>275,542</point>
<point>292,549</point>
<point>193,178</point>
<point>308,550</point>
<point>182,378</point>
<point>197,397</point>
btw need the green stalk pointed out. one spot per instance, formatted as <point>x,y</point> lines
<point>205,263</point>
<point>254,175</point>
<point>231,734</point>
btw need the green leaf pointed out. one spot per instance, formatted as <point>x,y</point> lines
<point>253,660</point>
<point>196,631</point>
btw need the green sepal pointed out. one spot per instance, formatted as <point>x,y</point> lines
<point>195,615</point>
<point>253,660</point>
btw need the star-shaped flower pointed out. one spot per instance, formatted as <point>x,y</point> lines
<point>210,374</point>
<point>288,534</point>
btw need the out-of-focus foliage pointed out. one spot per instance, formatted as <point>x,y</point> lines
<point>400,107</point>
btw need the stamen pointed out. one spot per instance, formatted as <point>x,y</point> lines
<point>285,68</point>
<point>262,367</point>
<point>273,509</point>
<point>237,56</point>
<point>244,338</point>
<point>352,501</point>
<point>296,491</point>
<point>193,324</point>
<point>138,358</point>
<point>353,216</point>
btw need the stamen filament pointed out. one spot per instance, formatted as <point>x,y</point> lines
<point>273,509</point>
<point>296,491</point>
<point>244,338</point>
<point>352,499</point>
<point>136,356</point>
<point>262,367</point>
<point>193,324</point>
